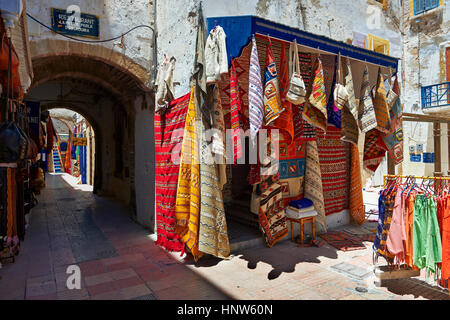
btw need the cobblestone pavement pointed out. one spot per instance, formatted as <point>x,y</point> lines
<point>119,260</point>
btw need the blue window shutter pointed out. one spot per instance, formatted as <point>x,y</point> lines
<point>419,6</point>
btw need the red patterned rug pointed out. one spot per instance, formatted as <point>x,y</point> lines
<point>347,242</point>
<point>334,155</point>
<point>169,129</point>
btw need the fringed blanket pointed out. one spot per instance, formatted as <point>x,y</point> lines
<point>272,101</point>
<point>272,217</point>
<point>380,105</point>
<point>374,150</point>
<point>315,109</point>
<point>366,117</point>
<point>313,182</point>
<point>334,166</point>
<point>169,128</point>
<point>356,202</point>
<point>188,190</point>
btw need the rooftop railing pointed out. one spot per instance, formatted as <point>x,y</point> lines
<point>437,95</point>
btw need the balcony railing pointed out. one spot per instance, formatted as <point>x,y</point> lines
<point>437,95</point>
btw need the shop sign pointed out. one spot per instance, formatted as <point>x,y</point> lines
<point>415,157</point>
<point>72,22</point>
<point>79,141</point>
<point>428,157</point>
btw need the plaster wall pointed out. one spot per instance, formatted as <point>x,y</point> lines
<point>426,38</point>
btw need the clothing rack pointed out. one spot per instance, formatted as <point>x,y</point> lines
<point>387,176</point>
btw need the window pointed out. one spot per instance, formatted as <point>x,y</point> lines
<point>378,44</point>
<point>421,6</point>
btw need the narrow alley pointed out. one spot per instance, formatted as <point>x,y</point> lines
<point>119,260</point>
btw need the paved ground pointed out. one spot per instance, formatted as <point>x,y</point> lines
<point>119,260</point>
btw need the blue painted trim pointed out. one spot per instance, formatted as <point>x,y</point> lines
<point>239,30</point>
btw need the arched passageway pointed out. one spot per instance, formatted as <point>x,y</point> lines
<point>104,88</point>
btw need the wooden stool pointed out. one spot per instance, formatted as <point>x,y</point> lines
<point>302,221</point>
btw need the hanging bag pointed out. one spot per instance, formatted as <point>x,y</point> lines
<point>297,91</point>
<point>340,93</point>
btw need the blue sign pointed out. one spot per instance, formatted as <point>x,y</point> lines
<point>75,23</point>
<point>33,112</point>
<point>415,157</point>
<point>428,157</point>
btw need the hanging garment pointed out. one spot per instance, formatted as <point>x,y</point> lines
<point>445,268</point>
<point>313,182</point>
<point>169,128</point>
<point>212,228</point>
<point>389,206</point>
<point>272,101</point>
<point>420,231</point>
<point>235,104</point>
<point>216,58</point>
<point>356,202</point>
<point>366,113</point>
<point>434,243</point>
<point>315,109</point>
<point>374,150</point>
<point>380,105</point>
<point>394,137</point>
<point>164,82</point>
<point>255,94</point>
<point>284,122</point>
<point>334,157</point>
<point>272,217</point>
<point>381,213</point>
<point>218,137</point>
<point>396,232</point>
<point>409,216</point>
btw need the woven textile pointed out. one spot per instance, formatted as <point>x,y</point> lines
<point>352,106</point>
<point>313,182</point>
<point>285,121</point>
<point>235,104</point>
<point>334,167</point>
<point>292,169</point>
<point>380,106</point>
<point>302,129</point>
<point>356,202</point>
<point>255,93</point>
<point>272,101</point>
<point>394,138</point>
<point>345,241</point>
<point>333,112</point>
<point>350,131</point>
<point>366,115</point>
<point>315,110</point>
<point>169,128</point>
<point>188,190</point>
<point>272,217</point>
<point>374,150</point>
<point>11,202</point>
<point>212,229</point>
<point>218,136</point>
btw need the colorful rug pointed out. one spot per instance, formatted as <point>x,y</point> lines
<point>187,208</point>
<point>366,117</point>
<point>272,101</point>
<point>333,113</point>
<point>356,201</point>
<point>212,229</point>
<point>169,128</point>
<point>394,138</point>
<point>334,165</point>
<point>374,150</point>
<point>255,93</point>
<point>272,218</point>
<point>284,122</point>
<point>313,182</point>
<point>345,241</point>
<point>350,131</point>
<point>315,109</point>
<point>235,104</point>
<point>380,105</point>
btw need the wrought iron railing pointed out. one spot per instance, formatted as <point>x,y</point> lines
<point>437,95</point>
